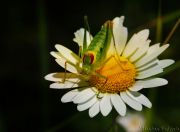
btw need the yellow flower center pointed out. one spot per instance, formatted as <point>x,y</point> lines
<point>116,75</point>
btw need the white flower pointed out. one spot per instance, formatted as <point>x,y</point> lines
<point>132,122</point>
<point>129,67</point>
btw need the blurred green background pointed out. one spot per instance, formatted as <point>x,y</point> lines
<point>30,29</point>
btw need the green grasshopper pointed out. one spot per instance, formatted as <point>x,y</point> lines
<point>94,55</point>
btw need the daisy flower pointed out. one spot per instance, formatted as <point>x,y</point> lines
<point>113,78</point>
<point>132,122</point>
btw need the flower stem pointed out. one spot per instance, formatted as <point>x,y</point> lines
<point>43,59</point>
<point>172,31</point>
<point>153,93</point>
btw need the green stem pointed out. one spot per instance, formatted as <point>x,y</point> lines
<point>153,93</point>
<point>159,24</point>
<point>113,123</point>
<point>43,59</point>
<point>42,37</point>
<point>172,31</point>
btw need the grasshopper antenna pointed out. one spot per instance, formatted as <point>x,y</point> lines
<point>114,43</point>
<point>85,38</point>
<point>87,28</point>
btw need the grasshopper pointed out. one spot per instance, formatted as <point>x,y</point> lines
<point>94,55</point>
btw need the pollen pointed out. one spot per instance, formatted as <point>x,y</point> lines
<point>116,75</point>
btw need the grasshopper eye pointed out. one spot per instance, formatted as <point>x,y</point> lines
<point>88,58</point>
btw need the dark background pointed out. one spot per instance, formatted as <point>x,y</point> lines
<point>30,29</point>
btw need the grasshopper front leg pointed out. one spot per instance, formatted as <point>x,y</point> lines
<point>66,63</point>
<point>65,66</point>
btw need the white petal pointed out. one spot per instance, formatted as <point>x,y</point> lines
<point>131,102</point>
<point>75,61</point>
<point>52,77</point>
<point>67,54</point>
<point>118,104</point>
<point>136,87</point>
<point>69,96</point>
<point>150,83</point>
<point>111,50</point>
<point>69,83</point>
<point>60,76</point>
<point>105,105</point>
<point>124,121</point>
<point>79,37</point>
<point>86,105</point>
<point>120,34</point>
<point>63,85</point>
<point>153,48</point>
<point>162,63</point>
<point>135,42</point>
<point>149,69</point>
<point>94,110</point>
<point>149,57</point>
<point>149,72</point>
<point>56,55</point>
<point>140,98</point>
<point>72,80</point>
<point>165,63</point>
<point>148,65</point>
<point>69,67</point>
<point>83,96</point>
<point>140,51</point>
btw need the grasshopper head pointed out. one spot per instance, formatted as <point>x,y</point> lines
<point>88,60</point>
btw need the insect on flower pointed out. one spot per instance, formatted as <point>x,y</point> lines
<point>109,71</point>
<point>93,57</point>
